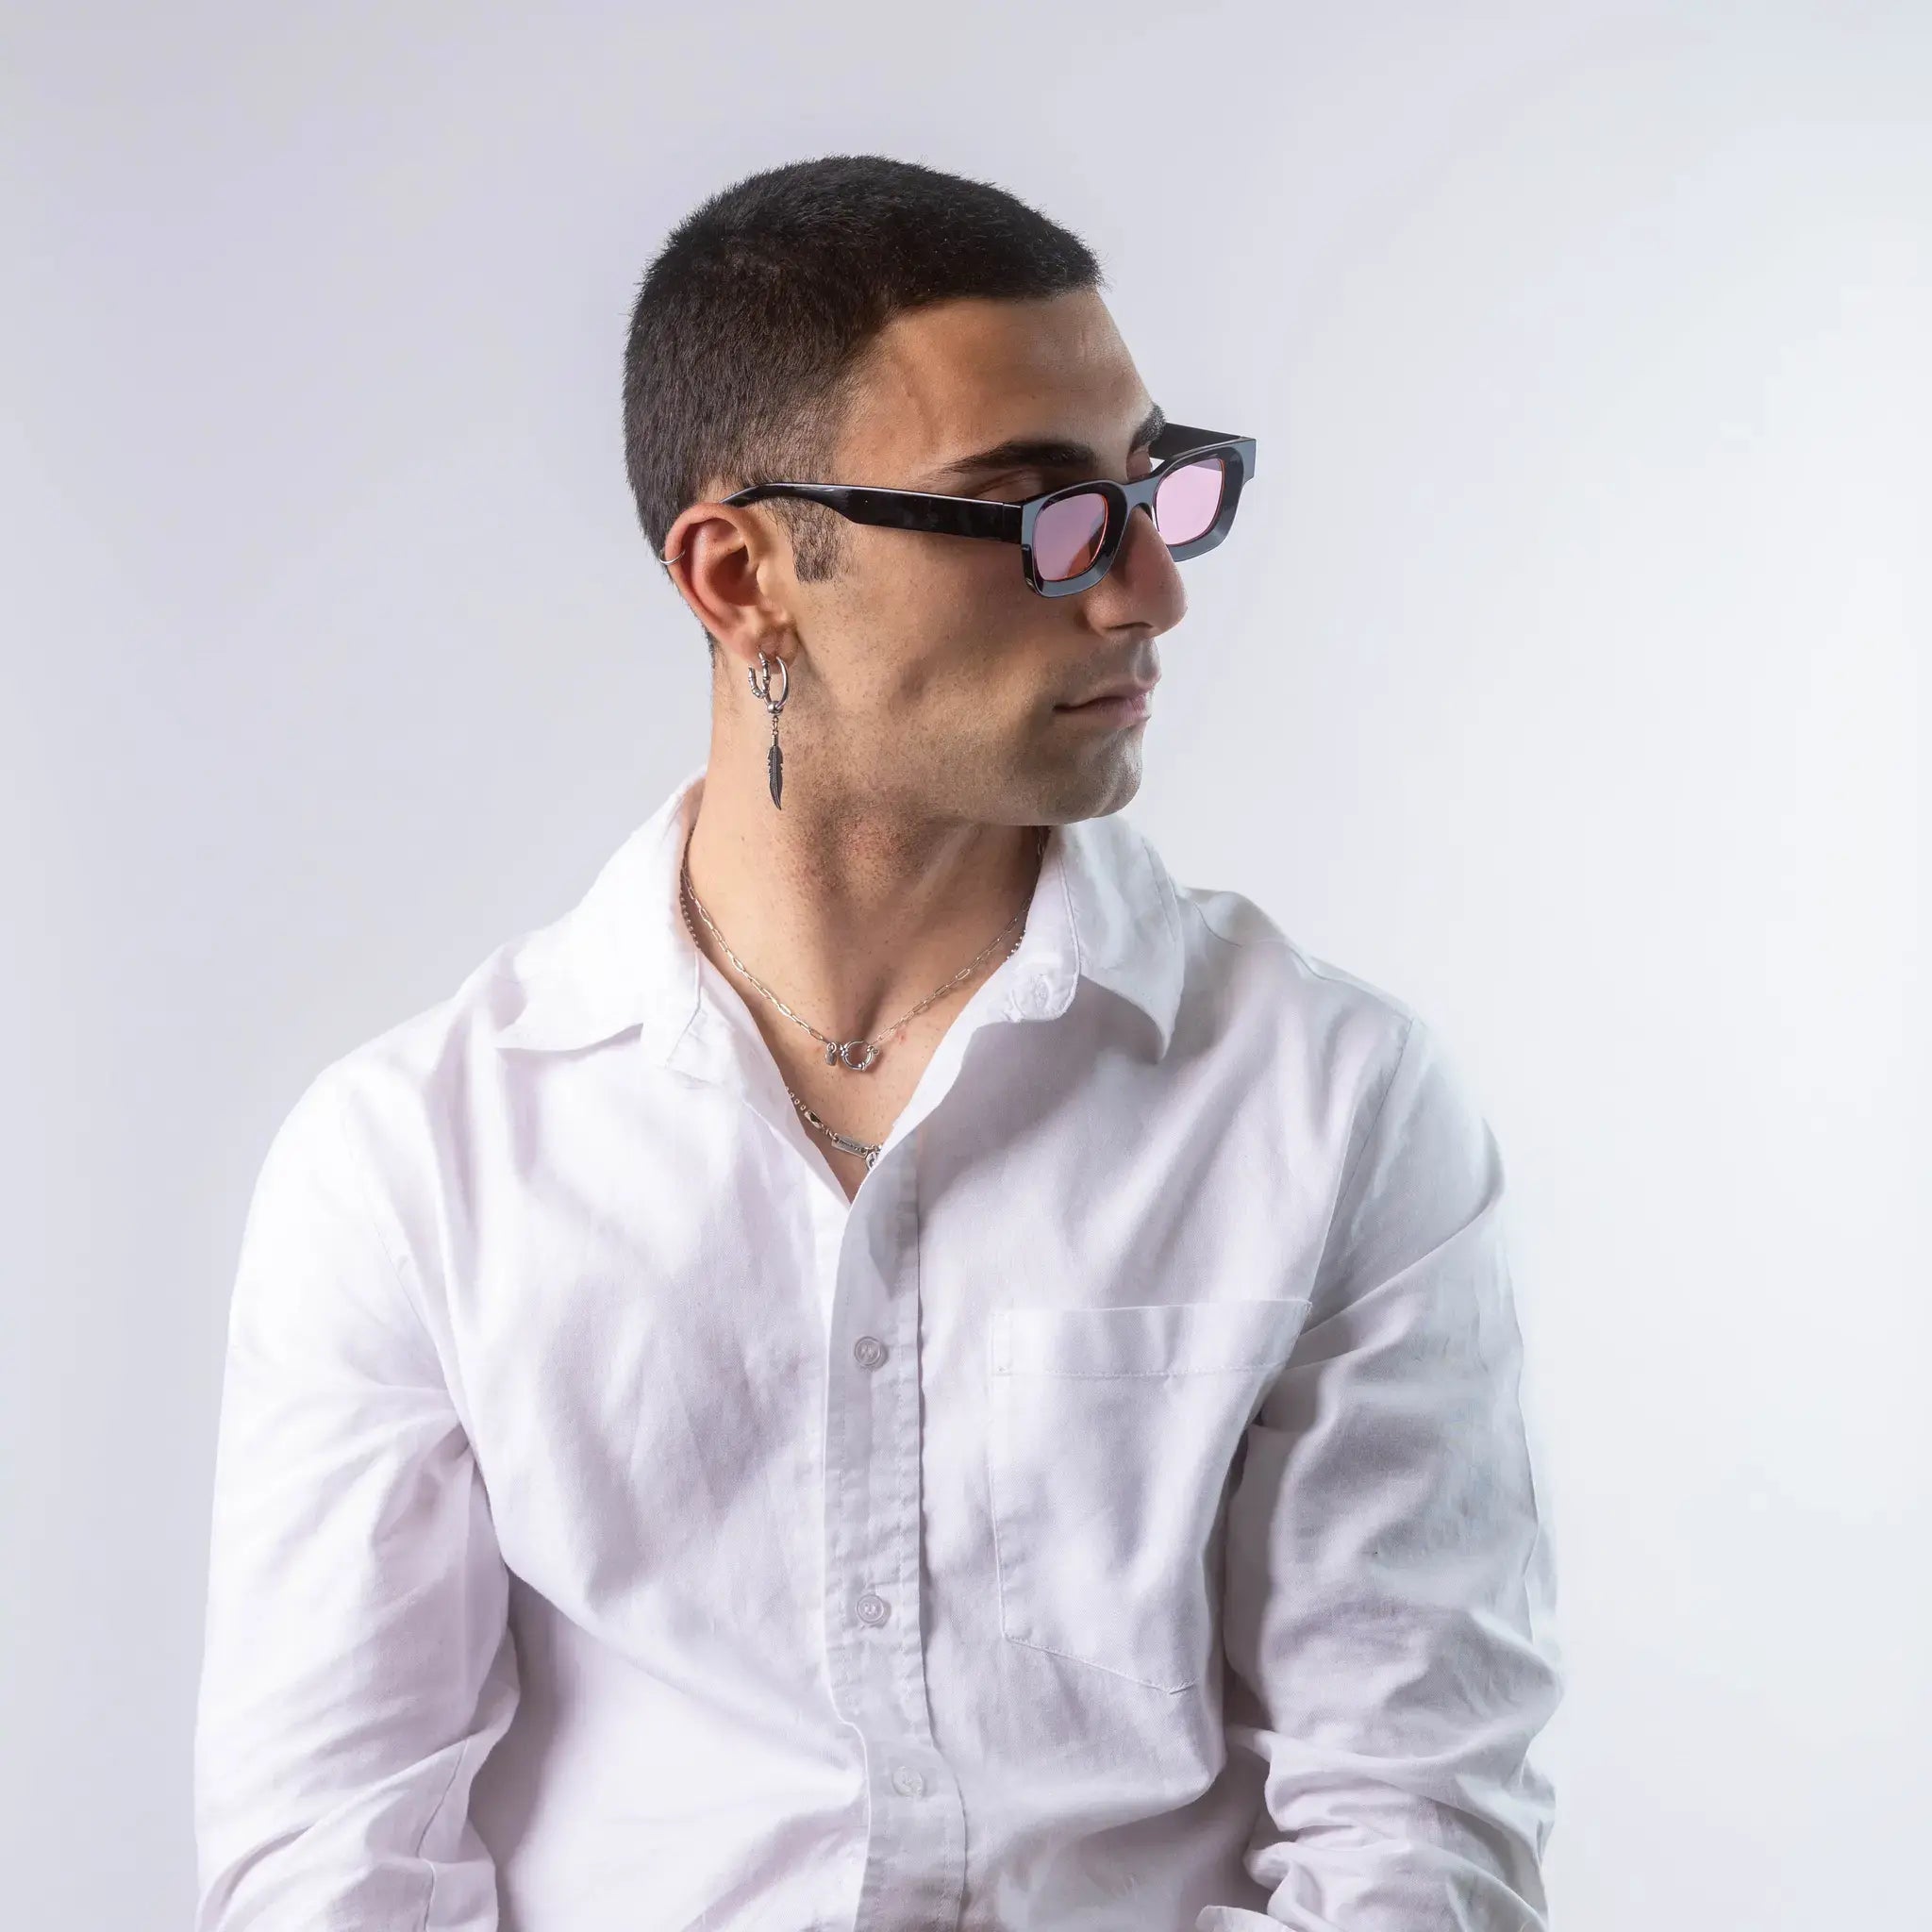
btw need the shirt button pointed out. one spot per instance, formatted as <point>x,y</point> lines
<point>908,1781</point>
<point>868,1351</point>
<point>1040,996</point>
<point>872,1609</point>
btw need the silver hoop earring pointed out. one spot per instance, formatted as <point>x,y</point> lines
<point>775,759</point>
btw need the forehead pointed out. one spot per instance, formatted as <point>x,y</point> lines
<point>943,381</point>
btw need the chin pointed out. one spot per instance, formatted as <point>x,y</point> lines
<point>1087,784</point>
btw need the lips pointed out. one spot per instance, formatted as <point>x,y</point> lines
<point>1126,690</point>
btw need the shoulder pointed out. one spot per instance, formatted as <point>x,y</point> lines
<point>412,1100</point>
<point>1241,954</point>
<point>435,1047</point>
<point>1372,1053</point>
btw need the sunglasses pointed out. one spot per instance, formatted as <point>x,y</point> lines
<point>1070,537</point>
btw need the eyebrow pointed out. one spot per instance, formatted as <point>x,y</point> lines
<point>1041,452</point>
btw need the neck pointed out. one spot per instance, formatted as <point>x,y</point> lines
<point>850,913</point>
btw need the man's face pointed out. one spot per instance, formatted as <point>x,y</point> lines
<point>941,680</point>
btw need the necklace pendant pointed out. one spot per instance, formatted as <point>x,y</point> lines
<point>872,1053</point>
<point>831,1053</point>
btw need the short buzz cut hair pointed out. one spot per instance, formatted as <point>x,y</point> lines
<point>747,337</point>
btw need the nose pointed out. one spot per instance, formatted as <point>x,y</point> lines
<point>1144,579</point>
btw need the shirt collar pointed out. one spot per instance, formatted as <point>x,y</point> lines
<point>1105,907</point>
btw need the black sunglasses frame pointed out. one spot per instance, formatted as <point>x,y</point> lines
<point>1014,522</point>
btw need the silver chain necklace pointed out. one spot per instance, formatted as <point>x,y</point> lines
<point>838,1052</point>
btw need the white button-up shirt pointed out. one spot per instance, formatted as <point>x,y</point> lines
<point>1118,1515</point>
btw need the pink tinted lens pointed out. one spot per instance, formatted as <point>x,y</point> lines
<point>1188,500</point>
<point>1066,536</point>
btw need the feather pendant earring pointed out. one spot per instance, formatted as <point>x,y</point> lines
<point>775,759</point>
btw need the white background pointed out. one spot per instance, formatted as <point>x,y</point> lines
<point>1565,677</point>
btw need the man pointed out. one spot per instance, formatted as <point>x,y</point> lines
<point>895,1367</point>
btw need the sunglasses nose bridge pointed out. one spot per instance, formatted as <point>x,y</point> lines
<point>1120,536</point>
<point>1116,538</point>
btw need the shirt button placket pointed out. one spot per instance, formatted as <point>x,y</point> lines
<point>915,1863</point>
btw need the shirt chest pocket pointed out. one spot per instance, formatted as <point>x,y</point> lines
<point>1110,1434</point>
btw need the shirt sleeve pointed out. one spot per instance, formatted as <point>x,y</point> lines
<point>1391,1590</point>
<point>354,1669</point>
